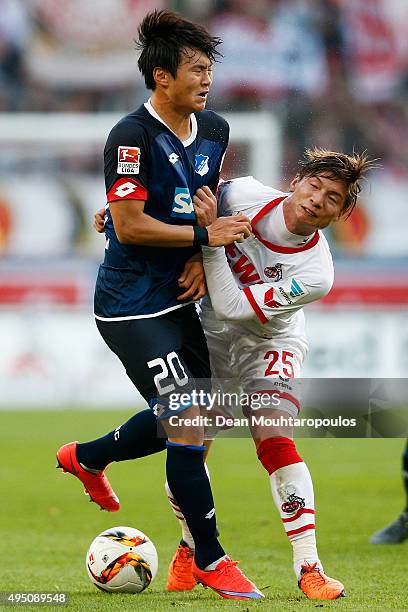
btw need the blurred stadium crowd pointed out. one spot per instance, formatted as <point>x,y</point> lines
<point>333,72</point>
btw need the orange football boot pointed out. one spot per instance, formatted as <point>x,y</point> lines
<point>316,585</point>
<point>227,580</point>
<point>180,574</point>
<point>96,485</point>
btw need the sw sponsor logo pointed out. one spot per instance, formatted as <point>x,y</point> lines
<point>297,289</point>
<point>173,158</point>
<point>274,272</point>
<point>182,204</point>
<point>201,164</point>
<point>128,160</point>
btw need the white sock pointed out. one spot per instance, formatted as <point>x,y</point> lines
<point>185,531</point>
<point>292,492</point>
<point>213,565</point>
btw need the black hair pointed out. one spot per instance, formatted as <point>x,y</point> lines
<point>163,36</point>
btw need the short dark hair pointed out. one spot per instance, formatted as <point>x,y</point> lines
<point>338,166</point>
<point>163,36</point>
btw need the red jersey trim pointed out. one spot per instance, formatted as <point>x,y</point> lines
<point>276,247</point>
<point>126,189</point>
<point>264,211</point>
<point>254,305</point>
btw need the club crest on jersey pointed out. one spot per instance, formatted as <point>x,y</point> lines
<point>201,164</point>
<point>128,160</point>
<point>274,272</point>
<point>182,204</point>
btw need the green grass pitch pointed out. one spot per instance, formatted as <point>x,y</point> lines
<point>46,524</point>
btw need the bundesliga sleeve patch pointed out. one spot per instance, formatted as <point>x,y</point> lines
<point>128,160</point>
<point>126,189</point>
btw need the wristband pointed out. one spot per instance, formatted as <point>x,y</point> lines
<point>200,236</point>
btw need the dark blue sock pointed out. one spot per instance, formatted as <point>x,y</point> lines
<point>188,481</point>
<point>135,438</point>
<point>405,474</point>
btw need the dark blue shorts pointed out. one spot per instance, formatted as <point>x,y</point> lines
<point>163,356</point>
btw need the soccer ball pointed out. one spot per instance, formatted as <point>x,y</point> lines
<point>122,560</point>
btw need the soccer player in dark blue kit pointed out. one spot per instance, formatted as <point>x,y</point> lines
<point>156,159</point>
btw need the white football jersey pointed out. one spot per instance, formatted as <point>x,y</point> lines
<point>277,280</point>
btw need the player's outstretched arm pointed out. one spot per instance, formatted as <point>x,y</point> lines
<point>261,301</point>
<point>133,226</point>
<point>227,299</point>
<point>205,206</point>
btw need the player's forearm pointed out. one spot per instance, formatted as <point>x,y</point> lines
<point>228,300</point>
<point>147,231</point>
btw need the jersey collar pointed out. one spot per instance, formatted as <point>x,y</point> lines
<point>277,247</point>
<point>193,119</point>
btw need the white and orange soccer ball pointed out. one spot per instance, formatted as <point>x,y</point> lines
<point>122,560</point>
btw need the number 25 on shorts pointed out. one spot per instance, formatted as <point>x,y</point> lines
<point>284,368</point>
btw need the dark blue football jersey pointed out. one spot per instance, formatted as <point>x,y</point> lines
<point>145,160</point>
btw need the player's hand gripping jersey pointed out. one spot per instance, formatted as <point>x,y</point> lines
<point>145,160</point>
<point>265,285</point>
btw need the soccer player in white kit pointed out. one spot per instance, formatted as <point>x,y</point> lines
<point>255,326</point>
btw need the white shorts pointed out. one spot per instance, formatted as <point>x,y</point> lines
<point>248,366</point>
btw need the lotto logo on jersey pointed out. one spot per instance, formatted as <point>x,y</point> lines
<point>128,160</point>
<point>182,204</point>
<point>126,189</point>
